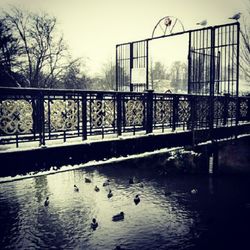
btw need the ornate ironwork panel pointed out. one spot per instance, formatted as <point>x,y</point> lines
<point>62,115</point>
<point>184,110</point>
<point>16,117</point>
<point>218,109</point>
<point>134,112</point>
<point>243,108</point>
<point>232,109</point>
<point>102,113</point>
<point>163,111</point>
<point>202,111</point>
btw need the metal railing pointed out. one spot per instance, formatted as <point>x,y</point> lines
<point>46,114</point>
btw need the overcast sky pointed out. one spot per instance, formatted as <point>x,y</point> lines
<point>92,28</point>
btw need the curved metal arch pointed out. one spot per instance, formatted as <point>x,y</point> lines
<point>172,25</point>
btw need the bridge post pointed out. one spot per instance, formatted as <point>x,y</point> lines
<point>225,111</point>
<point>84,116</point>
<point>175,112</point>
<point>119,114</point>
<point>40,119</point>
<point>149,117</point>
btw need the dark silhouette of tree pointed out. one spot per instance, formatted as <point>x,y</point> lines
<point>74,78</point>
<point>42,58</point>
<point>8,54</point>
<point>108,75</point>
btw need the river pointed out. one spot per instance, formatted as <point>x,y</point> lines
<point>168,216</point>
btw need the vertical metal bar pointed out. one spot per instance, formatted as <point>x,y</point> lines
<point>49,118</point>
<point>175,112</point>
<point>225,111</point>
<point>84,116</point>
<point>116,69</point>
<point>131,58</point>
<point>149,114</point>
<point>237,78</point>
<point>189,62</point>
<point>17,145</point>
<point>229,60</point>
<point>40,118</point>
<point>212,83</point>
<point>147,84</point>
<point>119,113</point>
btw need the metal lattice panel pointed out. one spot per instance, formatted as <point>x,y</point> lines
<point>202,110</point>
<point>134,110</point>
<point>163,111</point>
<point>61,114</point>
<point>218,109</point>
<point>232,109</point>
<point>243,108</point>
<point>102,113</point>
<point>16,117</point>
<point>184,110</point>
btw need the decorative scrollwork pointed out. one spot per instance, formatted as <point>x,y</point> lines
<point>102,113</point>
<point>243,108</point>
<point>232,109</point>
<point>63,114</point>
<point>218,109</point>
<point>184,110</point>
<point>202,111</point>
<point>163,111</point>
<point>16,117</point>
<point>134,112</point>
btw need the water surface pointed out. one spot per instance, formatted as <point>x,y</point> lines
<point>217,217</point>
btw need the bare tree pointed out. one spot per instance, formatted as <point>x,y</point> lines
<point>245,45</point>
<point>108,75</point>
<point>43,53</point>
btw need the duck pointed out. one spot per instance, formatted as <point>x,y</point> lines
<point>76,188</point>
<point>131,181</point>
<point>87,180</point>
<point>118,217</point>
<point>167,193</point>
<point>141,185</point>
<point>46,202</point>
<point>97,189</point>
<point>137,199</point>
<point>94,224</point>
<point>106,183</point>
<point>110,194</point>
<point>194,191</point>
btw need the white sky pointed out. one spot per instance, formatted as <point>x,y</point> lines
<point>92,28</point>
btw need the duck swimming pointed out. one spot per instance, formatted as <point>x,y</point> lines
<point>94,224</point>
<point>194,191</point>
<point>76,188</point>
<point>167,193</point>
<point>106,183</point>
<point>141,185</point>
<point>110,194</point>
<point>118,217</point>
<point>87,180</point>
<point>131,181</point>
<point>46,203</point>
<point>137,199</point>
<point>97,189</point>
